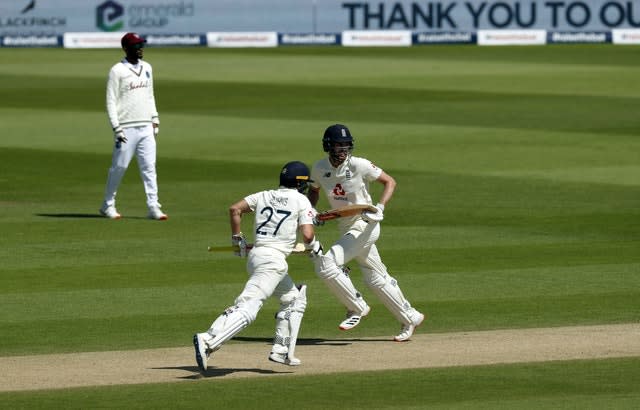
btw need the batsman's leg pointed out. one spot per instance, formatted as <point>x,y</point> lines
<point>267,268</point>
<point>288,320</point>
<point>295,321</point>
<point>388,291</point>
<point>227,325</point>
<point>339,283</point>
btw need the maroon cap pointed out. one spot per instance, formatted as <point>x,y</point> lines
<point>131,39</point>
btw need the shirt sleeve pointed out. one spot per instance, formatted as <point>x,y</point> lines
<point>306,211</point>
<point>252,200</point>
<point>112,98</point>
<point>370,172</point>
<point>154,111</point>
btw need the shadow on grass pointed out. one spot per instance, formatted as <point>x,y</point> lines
<point>71,215</point>
<point>313,342</point>
<point>217,372</point>
<point>220,372</point>
<point>85,216</point>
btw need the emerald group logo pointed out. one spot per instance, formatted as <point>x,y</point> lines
<point>113,16</point>
<point>110,16</point>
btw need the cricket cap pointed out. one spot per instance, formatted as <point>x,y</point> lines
<point>131,39</point>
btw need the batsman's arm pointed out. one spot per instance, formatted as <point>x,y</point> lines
<point>389,187</point>
<point>311,244</point>
<point>308,233</point>
<point>387,192</point>
<point>235,215</point>
<point>313,195</point>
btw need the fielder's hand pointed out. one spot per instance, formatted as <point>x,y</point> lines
<point>156,125</point>
<point>315,248</point>
<point>374,216</point>
<point>118,135</point>
<point>239,241</point>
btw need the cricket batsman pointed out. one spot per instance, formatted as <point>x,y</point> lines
<point>279,214</point>
<point>345,181</point>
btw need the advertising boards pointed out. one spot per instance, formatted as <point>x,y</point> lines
<point>46,18</point>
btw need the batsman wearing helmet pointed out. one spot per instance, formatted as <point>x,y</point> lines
<point>278,216</point>
<point>131,107</point>
<point>345,180</point>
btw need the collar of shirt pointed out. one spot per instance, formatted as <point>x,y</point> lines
<point>132,66</point>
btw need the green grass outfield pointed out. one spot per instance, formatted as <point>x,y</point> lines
<point>518,205</point>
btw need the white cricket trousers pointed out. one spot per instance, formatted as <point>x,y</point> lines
<point>142,143</point>
<point>268,275</point>
<point>358,244</point>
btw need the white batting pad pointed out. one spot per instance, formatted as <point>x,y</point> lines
<point>231,322</point>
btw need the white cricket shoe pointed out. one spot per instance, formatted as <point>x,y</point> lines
<point>202,350</point>
<point>353,319</point>
<point>284,358</point>
<point>110,212</point>
<point>406,331</point>
<point>157,214</point>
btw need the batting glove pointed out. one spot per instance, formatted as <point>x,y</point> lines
<point>374,216</point>
<point>118,135</point>
<point>316,221</point>
<point>315,248</point>
<point>239,241</point>
<point>156,131</point>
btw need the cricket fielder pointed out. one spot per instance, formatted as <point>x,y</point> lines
<point>132,112</point>
<point>279,215</point>
<point>345,180</point>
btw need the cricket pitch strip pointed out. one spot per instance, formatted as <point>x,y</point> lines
<point>248,358</point>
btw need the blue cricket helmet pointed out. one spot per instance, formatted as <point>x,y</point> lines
<point>336,133</point>
<point>295,174</point>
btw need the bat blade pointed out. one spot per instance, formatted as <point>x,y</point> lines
<point>347,210</point>
<point>298,248</point>
<point>222,248</point>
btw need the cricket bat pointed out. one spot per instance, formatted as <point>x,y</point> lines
<point>229,248</point>
<point>347,210</point>
<point>299,248</point>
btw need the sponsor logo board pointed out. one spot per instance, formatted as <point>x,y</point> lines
<point>242,39</point>
<point>445,38</point>
<point>511,37</point>
<point>578,37</point>
<point>625,36</point>
<point>296,39</point>
<point>374,38</point>
<point>92,40</point>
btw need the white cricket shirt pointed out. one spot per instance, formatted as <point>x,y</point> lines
<point>347,184</point>
<point>277,216</point>
<point>130,99</point>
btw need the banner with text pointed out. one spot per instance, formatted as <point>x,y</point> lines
<point>172,17</point>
